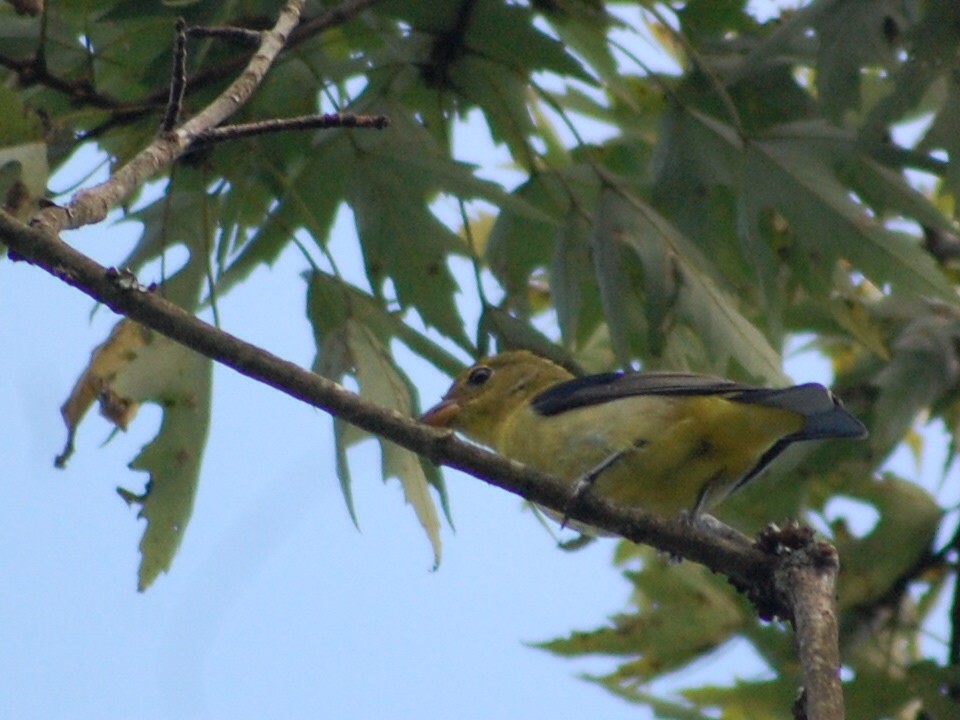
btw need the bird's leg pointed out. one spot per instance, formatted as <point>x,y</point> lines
<point>722,530</point>
<point>585,482</point>
<point>696,516</point>
<point>693,515</point>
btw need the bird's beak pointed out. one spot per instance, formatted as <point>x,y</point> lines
<point>441,415</point>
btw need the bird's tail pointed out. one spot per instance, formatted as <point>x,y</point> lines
<point>823,414</point>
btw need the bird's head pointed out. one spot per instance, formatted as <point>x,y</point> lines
<point>485,394</point>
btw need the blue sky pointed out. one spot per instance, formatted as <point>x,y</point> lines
<point>275,606</point>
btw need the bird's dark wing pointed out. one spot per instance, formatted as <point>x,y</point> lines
<point>596,389</point>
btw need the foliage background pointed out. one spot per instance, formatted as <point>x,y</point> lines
<point>767,193</point>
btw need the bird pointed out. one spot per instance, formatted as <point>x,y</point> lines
<point>667,442</point>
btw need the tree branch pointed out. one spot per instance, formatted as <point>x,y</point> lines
<point>92,205</point>
<point>304,122</point>
<point>797,584</point>
<point>806,577</point>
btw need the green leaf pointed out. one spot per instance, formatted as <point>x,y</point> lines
<point>705,20</point>
<point>853,35</point>
<point>922,368</point>
<point>680,612</point>
<point>585,31</point>
<point>381,383</point>
<point>619,279</point>
<point>791,170</point>
<point>502,94</point>
<point>179,380</point>
<point>574,293</point>
<point>180,217</point>
<point>908,520</point>
<point>23,157</point>
<point>402,241</point>
<point>513,333</point>
<point>520,243</point>
<point>346,345</point>
<point>23,178</point>
<point>933,37</point>
<point>332,300</point>
<point>308,196</point>
<point>944,134</point>
<point>676,285</point>
<point>771,699</point>
<point>922,686</point>
<point>409,143</point>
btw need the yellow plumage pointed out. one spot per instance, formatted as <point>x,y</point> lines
<point>676,441</point>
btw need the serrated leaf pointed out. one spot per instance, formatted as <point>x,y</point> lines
<point>681,610</point>
<point>380,383</point>
<point>675,283</point>
<point>176,218</point>
<point>133,366</point>
<point>574,293</point>
<point>334,300</point>
<point>944,133</point>
<point>620,281</point>
<point>792,170</point>
<point>410,144</point>
<point>309,198</point>
<point>770,699</point>
<point>513,333</point>
<point>519,244</point>
<point>922,368</point>
<point>920,686</point>
<point>180,381</point>
<point>854,35</point>
<point>136,365</point>
<point>404,242</point>
<point>502,94</point>
<point>346,345</point>
<point>932,38</point>
<point>126,340</point>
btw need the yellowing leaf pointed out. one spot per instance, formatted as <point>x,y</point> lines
<point>23,178</point>
<point>134,366</point>
<point>107,361</point>
<point>179,380</point>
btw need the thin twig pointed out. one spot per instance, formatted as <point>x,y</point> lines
<point>236,35</point>
<point>30,72</point>
<point>82,92</point>
<point>178,77</point>
<point>304,122</point>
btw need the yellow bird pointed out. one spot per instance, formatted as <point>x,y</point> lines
<point>662,441</point>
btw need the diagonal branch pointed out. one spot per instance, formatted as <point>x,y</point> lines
<point>798,584</point>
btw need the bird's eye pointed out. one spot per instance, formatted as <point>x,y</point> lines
<point>479,375</point>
